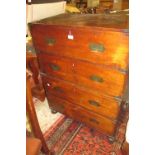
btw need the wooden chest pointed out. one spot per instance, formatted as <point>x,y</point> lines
<point>84,66</point>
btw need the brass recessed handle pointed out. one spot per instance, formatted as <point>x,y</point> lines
<point>94,103</point>
<point>97,47</point>
<point>96,78</point>
<point>50,41</point>
<point>58,89</point>
<point>54,67</point>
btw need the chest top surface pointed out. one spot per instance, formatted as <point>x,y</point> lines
<point>109,21</point>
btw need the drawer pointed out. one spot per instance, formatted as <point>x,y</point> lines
<point>99,78</point>
<point>95,102</point>
<point>97,45</point>
<point>56,66</point>
<point>76,112</point>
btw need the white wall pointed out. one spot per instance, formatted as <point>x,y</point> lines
<point>39,11</point>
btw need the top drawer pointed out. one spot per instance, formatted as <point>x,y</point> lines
<point>95,45</point>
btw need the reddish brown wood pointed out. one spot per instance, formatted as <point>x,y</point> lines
<point>80,72</point>
<point>33,117</point>
<point>125,4</point>
<point>65,70</point>
<point>38,92</point>
<point>106,106</point>
<point>77,112</point>
<point>115,53</point>
<point>89,54</point>
<point>32,64</point>
<point>125,148</point>
<point>33,146</point>
<point>115,22</point>
<point>107,30</point>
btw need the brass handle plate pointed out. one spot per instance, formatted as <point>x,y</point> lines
<point>59,89</point>
<point>54,67</point>
<point>96,78</point>
<point>96,47</point>
<point>50,41</point>
<point>94,103</point>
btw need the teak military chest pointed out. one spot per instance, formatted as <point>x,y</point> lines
<point>84,66</point>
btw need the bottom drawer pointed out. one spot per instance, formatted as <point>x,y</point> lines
<point>81,114</point>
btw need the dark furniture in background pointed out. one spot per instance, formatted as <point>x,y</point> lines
<point>32,65</point>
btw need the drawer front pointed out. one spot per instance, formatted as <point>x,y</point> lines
<point>76,112</point>
<point>97,45</point>
<point>99,78</point>
<point>105,106</point>
<point>56,66</point>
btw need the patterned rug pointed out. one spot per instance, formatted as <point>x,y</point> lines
<point>74,138</point>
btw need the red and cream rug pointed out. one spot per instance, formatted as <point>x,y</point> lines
<point>70,137</point>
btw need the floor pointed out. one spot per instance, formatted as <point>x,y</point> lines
<point>45,117</point>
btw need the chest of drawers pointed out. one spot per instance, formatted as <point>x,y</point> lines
<point>84,66</point>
